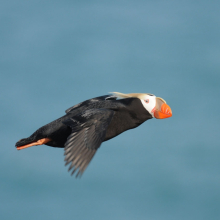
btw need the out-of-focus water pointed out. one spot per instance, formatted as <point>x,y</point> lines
<point>55,54</point>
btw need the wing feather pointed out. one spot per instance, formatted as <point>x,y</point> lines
<point>88,132</point>
<point>89,101</point>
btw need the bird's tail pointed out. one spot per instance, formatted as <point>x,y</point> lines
<point>28,142</point>
<point>24,141</point>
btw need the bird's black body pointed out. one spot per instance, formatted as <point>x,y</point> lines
<point>86,125</point>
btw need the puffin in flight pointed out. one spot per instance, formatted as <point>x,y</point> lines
<point>86,125</point>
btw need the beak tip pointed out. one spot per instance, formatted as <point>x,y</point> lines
<point>165,112</point>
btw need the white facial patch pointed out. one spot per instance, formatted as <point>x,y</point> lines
<point>149,103</point>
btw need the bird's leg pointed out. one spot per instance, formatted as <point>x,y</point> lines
<point>39,142</point>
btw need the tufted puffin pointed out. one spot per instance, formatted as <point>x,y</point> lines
<point>86,125</point>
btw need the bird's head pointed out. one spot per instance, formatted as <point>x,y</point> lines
<point>156,106</point>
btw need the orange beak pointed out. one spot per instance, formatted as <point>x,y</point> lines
<point>162,110</point>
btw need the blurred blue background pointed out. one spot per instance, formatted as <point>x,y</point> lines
<point>55,54</point>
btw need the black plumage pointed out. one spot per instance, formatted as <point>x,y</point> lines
<point>86,125</point>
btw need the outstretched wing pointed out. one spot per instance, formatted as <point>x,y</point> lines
<point>88,132</point>
<point>89,101</point>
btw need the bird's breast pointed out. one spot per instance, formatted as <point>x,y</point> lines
<point>121,121</point>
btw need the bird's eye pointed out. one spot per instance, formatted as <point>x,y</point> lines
<point>147,100</point>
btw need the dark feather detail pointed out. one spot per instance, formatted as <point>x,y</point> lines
<point>91,101</point>
<point>24,141</point>
<point>88,132</point>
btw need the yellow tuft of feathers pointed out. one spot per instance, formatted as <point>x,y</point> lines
<point>130,95</point>
<point>134,95</point>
